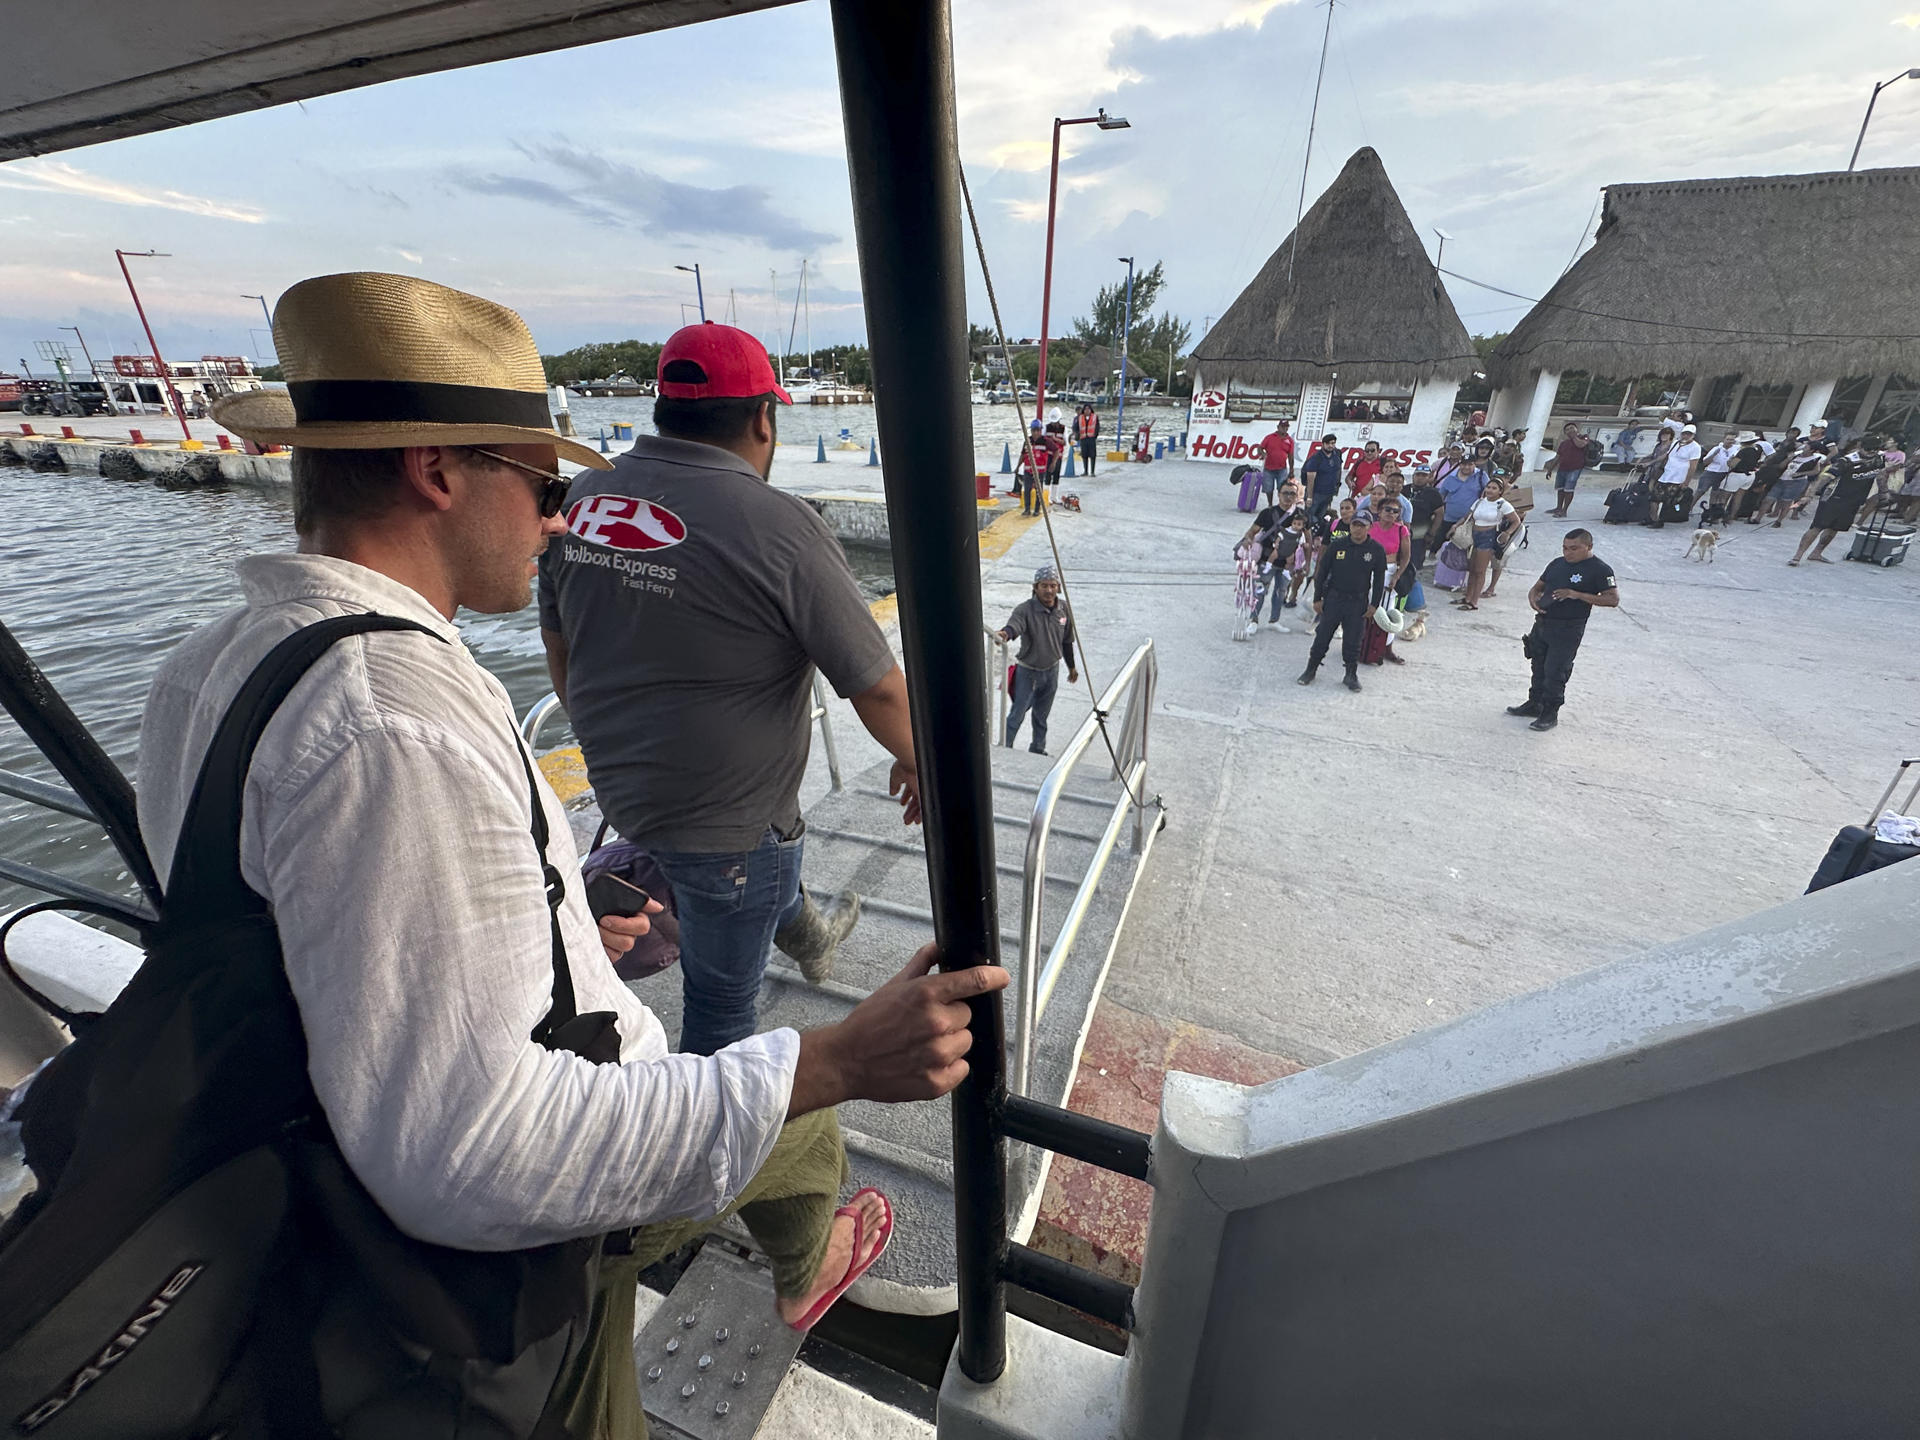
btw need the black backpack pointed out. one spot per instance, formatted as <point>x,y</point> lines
<point>197,1258</point>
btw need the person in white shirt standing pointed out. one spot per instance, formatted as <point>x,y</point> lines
<point>1672,491</point>
<point>387,823</point>
<point>1714,466</point>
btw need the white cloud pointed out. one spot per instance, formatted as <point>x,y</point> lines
<point>57,177</point>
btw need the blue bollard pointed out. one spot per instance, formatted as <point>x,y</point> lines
<point>1183,439</point>
<point>1067,474</point>
<point>873,453</point>
<point>820,452</point>
<point>603,441</point>
<point>1159,449</point>
<point>1006,459</point>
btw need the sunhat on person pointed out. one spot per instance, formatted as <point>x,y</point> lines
<point>380,362</point>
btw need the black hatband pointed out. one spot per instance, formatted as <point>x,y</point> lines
<point>419,401</point>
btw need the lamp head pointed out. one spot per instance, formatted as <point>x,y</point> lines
<point>1112,122</point>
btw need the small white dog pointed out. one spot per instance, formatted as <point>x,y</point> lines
<point>1703,544</point>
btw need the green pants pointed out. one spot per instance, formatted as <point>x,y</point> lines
<point>789,1208</point>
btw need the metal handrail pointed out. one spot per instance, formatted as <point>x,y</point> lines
<point>39,792</point>
<point>996,682</point>
<point>61,800</point>
<point>1134,685</point>
<point>548,705</point>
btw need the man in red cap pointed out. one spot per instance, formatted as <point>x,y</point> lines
<point>684,613</point>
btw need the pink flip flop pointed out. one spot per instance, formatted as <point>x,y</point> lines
<point>856,1267</point>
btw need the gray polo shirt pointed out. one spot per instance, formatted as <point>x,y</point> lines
<point>1045,633</point>
<point>695,601</point>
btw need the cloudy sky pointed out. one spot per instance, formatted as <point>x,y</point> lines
<point>569,185</point>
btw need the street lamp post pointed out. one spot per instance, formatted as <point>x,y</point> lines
<point>699,292</point>
<point>1913,74</point>
<point>166,375</point>
<point>263,308</point>
<point>1105,122</point>
<point>106,387</point>
<point>1126,329</point>
<point>1440,254</point>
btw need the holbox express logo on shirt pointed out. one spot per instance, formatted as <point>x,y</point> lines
<point>623,522</point>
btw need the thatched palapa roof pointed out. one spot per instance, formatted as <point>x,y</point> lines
<point>1364,300</point>
<point>1096,364</point>
<point>1774,277</point>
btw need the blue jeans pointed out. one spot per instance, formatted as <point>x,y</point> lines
<point>1033,690</point>
<point>1273,586</point>
<point>729,907</point>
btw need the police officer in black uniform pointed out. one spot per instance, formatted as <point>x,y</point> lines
<point>1347,587</point>
<point>1562,598</point>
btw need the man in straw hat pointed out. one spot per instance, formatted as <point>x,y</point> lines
<point>684,616</point>
<point>387,823</point>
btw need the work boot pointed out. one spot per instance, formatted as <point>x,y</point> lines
<point>1352,682</point>
<point>1532,707</point>
<point>1306,675</point>
<point>811,938</point>
<point>1548,719</point>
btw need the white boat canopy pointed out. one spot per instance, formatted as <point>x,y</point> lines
<point>80,74</point>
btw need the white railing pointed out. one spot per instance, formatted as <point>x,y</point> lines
<point>1133,687</point>
<point>548,705</point>
<point>996,682</point>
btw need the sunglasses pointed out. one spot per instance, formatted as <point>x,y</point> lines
<point>552,490</point>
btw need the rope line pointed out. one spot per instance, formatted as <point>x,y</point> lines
<point>1046,515</point>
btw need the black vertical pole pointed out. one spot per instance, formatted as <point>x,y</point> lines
<point>896,93</point>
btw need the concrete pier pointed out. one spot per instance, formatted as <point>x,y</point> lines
<point>167,463</point>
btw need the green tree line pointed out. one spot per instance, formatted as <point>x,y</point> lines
<point>1155,345</point>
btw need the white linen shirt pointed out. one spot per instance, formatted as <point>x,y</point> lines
<point>386,820</point>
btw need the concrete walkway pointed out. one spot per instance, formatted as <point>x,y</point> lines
<point>1340,870</point>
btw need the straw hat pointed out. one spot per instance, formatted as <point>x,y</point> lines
<point>377,362</point>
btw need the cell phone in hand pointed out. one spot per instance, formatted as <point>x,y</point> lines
<point>608,894</point>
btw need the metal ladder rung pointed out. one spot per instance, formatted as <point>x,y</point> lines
<point>1105,802</point>
<point>929,1167</point>
<point>1018,821</point>
<point>839,990</point>
<point>908,849</point>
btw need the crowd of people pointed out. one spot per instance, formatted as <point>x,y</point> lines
<point>1354,539</point>
<point>1747,478</point>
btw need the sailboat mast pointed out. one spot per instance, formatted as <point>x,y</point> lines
<point>794,324</point>
<point>773,285</point>
<point>803,291</point>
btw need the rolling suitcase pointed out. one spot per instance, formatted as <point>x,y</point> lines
<point>1250,488</point>
<point>1627,505</point>
<point>1857,850</point>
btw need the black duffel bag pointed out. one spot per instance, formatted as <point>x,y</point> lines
<point>197,1259</point>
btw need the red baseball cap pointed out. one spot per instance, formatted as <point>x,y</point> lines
<point>716,362</point>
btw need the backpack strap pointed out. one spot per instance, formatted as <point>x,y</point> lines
<point>564,1006</point>
<point>206,860</point>
<point>206,881</point>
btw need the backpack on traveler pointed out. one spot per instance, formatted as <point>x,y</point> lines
<point>197,1258</point>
